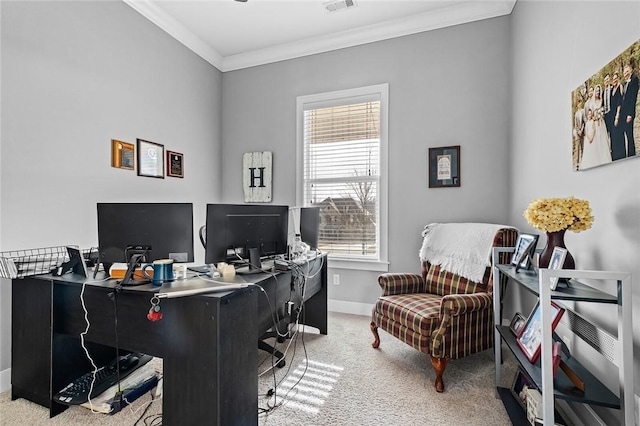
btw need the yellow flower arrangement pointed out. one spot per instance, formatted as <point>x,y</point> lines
<point>556,214</point>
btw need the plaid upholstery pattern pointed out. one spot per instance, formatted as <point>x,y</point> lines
<point>438,312</point>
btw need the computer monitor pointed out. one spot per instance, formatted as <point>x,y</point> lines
<point>233,230</point>
<point>306,222</point>
<point>155,230</point>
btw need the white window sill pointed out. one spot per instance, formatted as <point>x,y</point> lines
<point>360,265</point>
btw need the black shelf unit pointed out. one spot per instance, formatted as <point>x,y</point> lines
<point>595,392</point>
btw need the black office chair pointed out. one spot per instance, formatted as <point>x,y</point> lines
<point>261,340</point>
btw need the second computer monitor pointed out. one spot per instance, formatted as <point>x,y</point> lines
<point>233,230</point>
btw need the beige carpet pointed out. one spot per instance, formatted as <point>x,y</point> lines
<point>346,382</point>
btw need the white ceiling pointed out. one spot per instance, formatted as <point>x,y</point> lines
<point>233,35</point>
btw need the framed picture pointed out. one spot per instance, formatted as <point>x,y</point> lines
<point>122,154</point>
<point>517,323</point>
<point>556,262</point>
<point>519,388</point>
<point>525,248</point>
<point>444,167</point>
<point>150,159</point>
<point>530,337</point>
<point>175,164</point>
<point>605,113</point>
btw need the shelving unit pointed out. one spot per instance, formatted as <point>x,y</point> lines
<point>541,373</point>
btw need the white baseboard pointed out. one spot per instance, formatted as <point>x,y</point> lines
<point>5,380</point>
<point>354,308</point>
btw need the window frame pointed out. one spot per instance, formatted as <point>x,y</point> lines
<point>337,97</point>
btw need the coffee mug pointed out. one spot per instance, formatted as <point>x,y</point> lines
<point>162,271</point>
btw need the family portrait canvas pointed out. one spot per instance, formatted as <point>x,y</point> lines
<point>604,110</point>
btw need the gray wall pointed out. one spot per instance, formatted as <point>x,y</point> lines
<point>74,76</point>
<point>446,87</point>
<point>556,47</point>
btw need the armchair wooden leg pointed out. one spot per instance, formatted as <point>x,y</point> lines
<point>439,364</point>
<point>376,336</point>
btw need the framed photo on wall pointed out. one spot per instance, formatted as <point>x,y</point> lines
<point>444,167</point>
<point>150,159</point>
<point>605,113</point>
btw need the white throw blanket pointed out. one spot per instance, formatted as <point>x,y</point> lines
<point>461,248</point>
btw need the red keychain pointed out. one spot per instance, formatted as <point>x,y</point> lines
<point>154,313</point>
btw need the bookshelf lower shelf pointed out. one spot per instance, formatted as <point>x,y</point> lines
<point>595,392</point>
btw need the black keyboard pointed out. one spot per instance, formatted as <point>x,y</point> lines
<point>77,392</point>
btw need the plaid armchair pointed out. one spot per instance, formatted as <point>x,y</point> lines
<point>439,312</point>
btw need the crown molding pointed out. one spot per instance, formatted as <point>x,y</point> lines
<point>456,14</point>
<point>149,10</point>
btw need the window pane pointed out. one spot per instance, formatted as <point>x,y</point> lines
<point>342,152</point>
<point>348,216</point>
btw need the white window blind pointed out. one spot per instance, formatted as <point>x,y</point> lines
<point>342,173</point>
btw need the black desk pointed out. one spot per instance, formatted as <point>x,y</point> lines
<point>208,342</point>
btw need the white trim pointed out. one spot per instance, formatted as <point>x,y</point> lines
<point>353,308</point>
<point>456,14</point>
<point>176,30</point>
<point>5,380</point>
<point>302,103</point>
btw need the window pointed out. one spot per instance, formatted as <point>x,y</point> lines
<point>342,167</point>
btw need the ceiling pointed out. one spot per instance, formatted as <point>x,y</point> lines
<point>233,35</point>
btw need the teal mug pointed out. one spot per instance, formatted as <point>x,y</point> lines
<point>162,271</point>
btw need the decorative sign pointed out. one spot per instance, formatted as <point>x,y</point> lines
<point>444,167</point>
<point>257,176</point>
<point>175,164</point>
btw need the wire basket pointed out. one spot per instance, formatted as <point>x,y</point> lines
<point>25,263</point>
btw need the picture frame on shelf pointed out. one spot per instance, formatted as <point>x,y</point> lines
<point>517,322</point>
<point>444,167</point>
<point>150,159</point>
<point>556,262</point>
<point>524,249</point>
<point>519,388</point>
<point>530,338</point>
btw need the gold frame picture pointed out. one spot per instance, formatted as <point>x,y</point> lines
<point>122,155</point>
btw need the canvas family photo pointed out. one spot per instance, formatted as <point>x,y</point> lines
<point>604,110</point>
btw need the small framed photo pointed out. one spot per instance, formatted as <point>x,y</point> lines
<point>444,167</point>
<point>556,262</point>
<point>122,154</point>
<point>519,388</point>
<point>150,159</point>
<point>517,323</point>
<point>175,164</point>
<point>525,248</point>
<point>530,337</point>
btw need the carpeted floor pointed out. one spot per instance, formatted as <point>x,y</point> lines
<point>340,380</point>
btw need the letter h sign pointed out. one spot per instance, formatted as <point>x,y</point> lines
<point>256,176</point>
